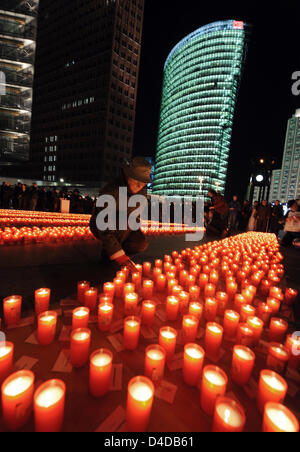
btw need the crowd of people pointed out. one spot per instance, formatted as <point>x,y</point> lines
<point>43,199</point>
<point>223,219</point>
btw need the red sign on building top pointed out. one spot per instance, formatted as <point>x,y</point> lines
<point>238,24</point>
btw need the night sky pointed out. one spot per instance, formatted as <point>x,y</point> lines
<point>265,101</point>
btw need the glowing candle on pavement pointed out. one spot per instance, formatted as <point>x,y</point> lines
<point>100,372</point>
<point>290,296</point>
<point>80,346</point>
<point>82,287</point>
<point>167,340</point>
<point>17,395</point>
<point>230,325</point>
<point>210,309</point>
<point>271,388</point>
<point>12,310</point>
<point>245,335</point>
<point>109,289</point>
<point>139,404</point>
<point>161,283</point>
<point>172,308</point>
<point>214,384</point>
<point>257,326</point>
<point>243,360</point>
<point>148,287</point>
<point>278,418</point>
<point>146,269</point>
<point>42,300</point>
<point>196,309</point>
<point>49,406</point>
<point>247,311</point>
<point>274,304</point>
<point>46,331</point>
<point>6,359</point>
<point>278,330</point>
<point>90,298</point>
<point>277,358</point>
<point>192,364</point>
<point>222,300</point>
<point>80,318</point>
<point>105,316</point>
<point>132,326</point>
<point>190,325</point>
<point>213,339</point>
<point>229,416</point>
<point>155,359</point>
<point>148,312</point>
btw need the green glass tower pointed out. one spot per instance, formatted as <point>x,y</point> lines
<point>201,80</point>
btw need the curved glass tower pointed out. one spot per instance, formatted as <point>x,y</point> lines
<point>201,80</point>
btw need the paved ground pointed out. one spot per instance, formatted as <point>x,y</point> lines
<point>59,266</point>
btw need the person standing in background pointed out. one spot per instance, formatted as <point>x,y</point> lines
<point>234,210</point>
<point>276,217</point>
<point>263,217</point>
<point>244,216</point>
<point>253,217</point>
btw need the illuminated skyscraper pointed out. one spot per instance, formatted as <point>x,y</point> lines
<point>201,81</point>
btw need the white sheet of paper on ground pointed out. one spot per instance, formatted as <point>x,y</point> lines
<point>26,363</point>
<point>62,364</point>
<point>32,339</point>
<point>117,326</point>
<point>166,391</point>
<point>177,362</point>
<point>114,422</point>
<point>116,341</point>
<point>23,322</point>
<point>116,377</point>
<point>65,333</point>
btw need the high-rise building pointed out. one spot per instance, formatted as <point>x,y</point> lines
<point>286,182</point>
<point>17,51</point>
<point>201,80</point>
<point>85,88</point>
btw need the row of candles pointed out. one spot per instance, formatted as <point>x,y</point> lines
<point>7,213</point>
<point>243,357</point>
<point>15,236</point>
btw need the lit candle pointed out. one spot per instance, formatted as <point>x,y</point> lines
<point>139,404</point>
<point>148,287</point>
<point>105,298</point>
<point>264,312</point>
<point>80,318</point>
<point>12,310</point>
<point>278,330</point>
<point>209,290</point>
<point>257,326</point>
<point>190,325</point>
<point>184,298</point>
<point>196,310</point>
<point>90,298</point>
<point>193,359</point>
<point>100,372</point>
<point>229,416</point>
<point>148,312</point>
<point>276,292</point>
<point>146,269</point>
<point>214,383</point>
<point>131,302</point>
<point>49,406</point>
<point>80,346</point>
<point>47,322</point>
<point>231,289</point>
<point>278,418</point>
<point>172,308</point>
<point>6,359</point>
<point>161,283</point>
<point>132,326</point>
<point>293,346</point>
<point>128,288</point>
<point>42,300</point>
<point>137,281</point>
<point>247,311</point>
<point>239,301</point>
<point>265,287</point>
<point>82,287</point>
<point>243,360</point>
<point>194,292</point>
<point>222,300</point>
<point>17,395</point>
<point>290,296</point>
<point>277,358</point>
<point>214,277</point>
<point>155,359</point>
<point>171,283</point>
<point>271,388</point>
<point>245,335</point>
<point>248,295</point>
<point>274,304</point>
<point>109,289</point>
<point>203,280</point>
<point>210,309</point>
<point>213,339</point>
<point>230,325</point>
<point>167,340</point>
<point>158,263</point>
<point>105,316</point>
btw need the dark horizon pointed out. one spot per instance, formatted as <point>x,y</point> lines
<point>265,101</point>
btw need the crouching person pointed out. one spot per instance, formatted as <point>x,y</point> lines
<point>119,240</point>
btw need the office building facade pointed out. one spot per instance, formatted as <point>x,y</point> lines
<point>85,88</point>
<point>286,182</point>
<point>17,52</point>
<point>201,80</point>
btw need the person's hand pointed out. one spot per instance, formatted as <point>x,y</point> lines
<point>131,266</point>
